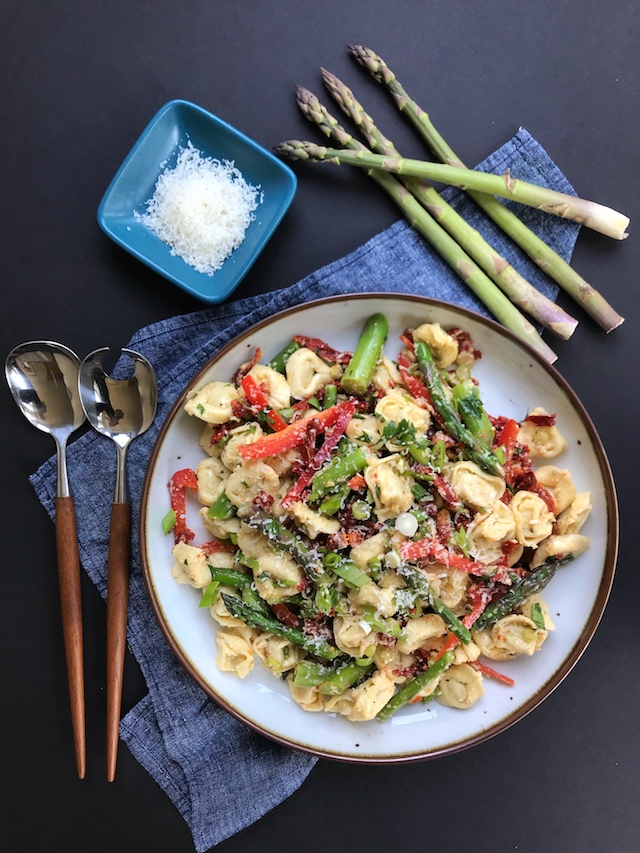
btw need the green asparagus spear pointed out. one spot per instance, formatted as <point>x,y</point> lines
<point>539,252</point>
<point>348,461</point>
<point>589,213</point>
<point>413,687</point>
<point>357,376</point>
<point>343,678</point>
<point>309,673</point>
<point>528,585</point>
<point>421,585</point>
<point>478,452</point>
<point>472,411</point>
<point>330,396</point>
<point>518,289</point>
<point>253,618</point>
<point>271,527</point>
<point>279,361</point>
<point>502,309</point>
<point>252,598</point>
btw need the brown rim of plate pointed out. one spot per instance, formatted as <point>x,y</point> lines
<point>558,676</point>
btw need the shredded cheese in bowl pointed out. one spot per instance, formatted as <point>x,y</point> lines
<point>201,209</point>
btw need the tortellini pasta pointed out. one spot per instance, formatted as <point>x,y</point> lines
<point>353,635</point>
<point>364,702</point>
<point>474,487</point>
<point>248,480</point>
<point>397,406</point>
<point>518,635</point>
<point>389,484</point>
<point>575,515</point>
<point>418,632</point>
<point>441,344</point>
<point>211,474</point>
<point>309,698</point>
<point>558,481</point>
<point>276,653</point>
<point>312,523</point>
<point>277,388</point>
<point>534,521</point>
<point>238,436</point>
<point>371,595</point>
<point>460,687</point>
<point>277,577</point>
<point>191,565</point>
<point>234,653</point>
<point>213,403</point>
<point>561,545</point>
<point>307,373</point>
<point>544,441</point>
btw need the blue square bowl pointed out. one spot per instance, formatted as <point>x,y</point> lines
<point>176,124</point>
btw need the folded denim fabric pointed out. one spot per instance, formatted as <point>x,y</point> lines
<point>187,743</point>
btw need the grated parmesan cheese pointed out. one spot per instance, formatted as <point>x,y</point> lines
<point>201,209</point>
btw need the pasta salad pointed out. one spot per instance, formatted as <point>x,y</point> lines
<point>377,538</point>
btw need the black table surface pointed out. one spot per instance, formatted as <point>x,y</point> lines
<point>80,81</point>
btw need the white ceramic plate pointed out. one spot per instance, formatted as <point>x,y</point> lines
<point>512,379</point>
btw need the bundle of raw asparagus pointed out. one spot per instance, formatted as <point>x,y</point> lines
<point>494,281</point>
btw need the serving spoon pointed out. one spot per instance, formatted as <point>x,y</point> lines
<point>121,409</point>
<point>43,378</point>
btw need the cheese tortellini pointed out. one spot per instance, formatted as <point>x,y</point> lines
<point>474,487</point>
<point>213,403</point>
<point>543,441</point>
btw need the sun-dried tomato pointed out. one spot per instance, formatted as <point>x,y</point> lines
<point>541,420</point>
<point>322,349</point>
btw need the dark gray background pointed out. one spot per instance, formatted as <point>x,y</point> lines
<point>80,80</point>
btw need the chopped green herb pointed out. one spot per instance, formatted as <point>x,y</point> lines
<point>537,616</point>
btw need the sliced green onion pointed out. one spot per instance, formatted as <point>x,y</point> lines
<point>350,573</point>
<point>209,595</point>
<point>169,521</point>
<point>221,508</point>
<point>249,562</point>
<point>313,401</point>
<point>439,455</point>
<point>229,577</point>
<point>361,510</point>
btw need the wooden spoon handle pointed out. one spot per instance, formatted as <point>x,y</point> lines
<point>117,598</point>
<point>71,606</point>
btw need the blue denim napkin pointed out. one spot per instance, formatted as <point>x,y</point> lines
<point>187,743</point>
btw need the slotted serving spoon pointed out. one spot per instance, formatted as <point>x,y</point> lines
<point>43,378</point>
<point>121,409</point>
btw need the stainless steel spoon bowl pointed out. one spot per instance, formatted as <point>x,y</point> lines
<point>43,378</point>
<point>120,409</point>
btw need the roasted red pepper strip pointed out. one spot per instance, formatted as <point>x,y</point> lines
<point>357,483</point>
<point>427,547</point>
<point>178,485</point>
<point>257,397</point>
<point>507,438</point>
<point>491,673</point>
<point>331,437</point>
<point>292,436</point>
